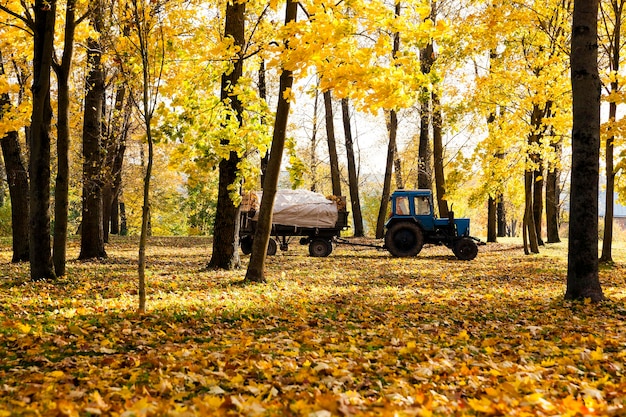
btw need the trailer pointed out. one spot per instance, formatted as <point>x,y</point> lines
<point>317,220</point>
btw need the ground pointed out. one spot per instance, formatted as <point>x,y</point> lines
<point>358,333</point>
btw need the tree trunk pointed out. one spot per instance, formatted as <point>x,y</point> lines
<point>92,235</point>
<point>553,198</point>
<point>353,178</point>
<point>440,180</point>
<point>17,180</point>
<point>501,216</point>
<point>582,270</point>
<point>226,227</point>
<point>492,217</point>
<point>614,52</point>
<point>538,201</point>
<point>392,128</point>
<point>61,188</point>
<point>113,162</point>
<point>256,267</point>
<point>263,96</point>
<point>313,145</point>
<point>529,229</point>
<point>41,266</point>
<point>332,144</point>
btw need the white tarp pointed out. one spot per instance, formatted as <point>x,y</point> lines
<point>302,208</point>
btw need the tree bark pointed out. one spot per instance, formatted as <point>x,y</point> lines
<point>40,253</point>
<point>501,216</point>
<point>92,235</point>
<point>582,271</point>
<point>332,144</point>
<point>392,129</point>
<point>353,178</point>
<point>17,180</point>
<point>226,227</point>
<point>256,267</point>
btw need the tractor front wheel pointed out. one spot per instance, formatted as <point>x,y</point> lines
<point>465,249</point>
<point>404,239</point>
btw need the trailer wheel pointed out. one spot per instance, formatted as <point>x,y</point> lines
<point>320,248</point>
<point>246,245</point>
<point>271,247</point>
<point>404,239</point>
<point>465,249</point>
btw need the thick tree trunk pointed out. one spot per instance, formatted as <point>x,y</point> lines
<point>61,188</point>
<point>256,267</point>
<point>582,270</point>
<point>226,228</point>
<point>17,180</point>
<point>40,252</point>
<point>353,177</point>
<point>335,177</point>
<point>392,129</point>
<point>92,234</point>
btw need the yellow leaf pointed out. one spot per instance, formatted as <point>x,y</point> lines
<point>484,405</point>
<point>23,327</point>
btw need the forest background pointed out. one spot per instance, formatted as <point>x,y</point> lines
<point>482,86</point>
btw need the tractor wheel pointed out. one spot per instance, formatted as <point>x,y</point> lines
<point>271,247</point>
<point>404,239</point>
<point>246,244</point>
<point>320,248</point>
<point>465,249</point>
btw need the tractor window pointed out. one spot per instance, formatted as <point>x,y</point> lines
<point>422,205</point>
<point>402,206</point>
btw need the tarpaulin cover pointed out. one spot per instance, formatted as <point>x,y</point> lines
<point>302,208</point>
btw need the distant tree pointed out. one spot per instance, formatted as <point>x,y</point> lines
<point>582,269</point>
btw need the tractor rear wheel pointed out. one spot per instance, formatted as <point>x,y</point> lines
<point>404,239</point>
<point>465,249</point>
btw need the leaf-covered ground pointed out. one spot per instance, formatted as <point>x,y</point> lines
<point>356,334</point>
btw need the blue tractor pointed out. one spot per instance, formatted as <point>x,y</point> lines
<point>413,223</point>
